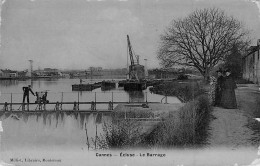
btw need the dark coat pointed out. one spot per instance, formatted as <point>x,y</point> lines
<point>228,97</point>
<point>26,90</point>
<point>219,88</point>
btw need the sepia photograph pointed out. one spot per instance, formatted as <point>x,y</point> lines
<point>129,82</point>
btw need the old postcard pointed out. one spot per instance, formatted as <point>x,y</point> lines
<point>130,82</point>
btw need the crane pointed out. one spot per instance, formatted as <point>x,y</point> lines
<point>131,52</point>
<point>135,71</point>
<point>132,72</point>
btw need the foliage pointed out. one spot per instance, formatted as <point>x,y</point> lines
<point>182,77</point>
<point>233,61</point>
<point>202,40</point>
<point>189,129</point>
<point>120,134</point>
<point>184,91</point>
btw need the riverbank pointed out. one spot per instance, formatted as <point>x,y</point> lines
<point>232,128</point>
<point>184,90</point>
<point>150,116</point>
<point>178,125</point>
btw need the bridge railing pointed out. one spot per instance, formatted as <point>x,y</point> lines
<point>85,99</point>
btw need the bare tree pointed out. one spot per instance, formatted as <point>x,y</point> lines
<point>202,40</point>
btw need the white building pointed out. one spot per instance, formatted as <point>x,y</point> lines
<point>251,64</point>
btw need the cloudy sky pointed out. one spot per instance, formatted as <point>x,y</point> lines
<point>77,34</point>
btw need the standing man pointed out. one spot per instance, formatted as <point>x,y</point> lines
<point>26,91</point>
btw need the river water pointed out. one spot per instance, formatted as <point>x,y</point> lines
<point>29,130</point>
<point>61,90</point>
<point>63,135</point>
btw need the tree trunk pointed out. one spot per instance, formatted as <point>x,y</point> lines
<point>206,75</point>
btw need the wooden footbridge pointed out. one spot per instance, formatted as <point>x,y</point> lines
<point>75,106</point>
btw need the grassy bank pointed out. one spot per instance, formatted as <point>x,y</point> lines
<point>189,127</point>
<point>184,91</point>
<point>121,134</point>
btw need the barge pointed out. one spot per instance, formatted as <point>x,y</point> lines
<point>108,85</point>
<point>85,87</point>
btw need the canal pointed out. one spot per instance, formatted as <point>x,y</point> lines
<point>50,130</point>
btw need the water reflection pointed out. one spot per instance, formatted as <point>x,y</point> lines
<point>7,83</point>
<point>136,96</point>
<point>50,118</point>
<point>49,81</point>
<point>24,129</point>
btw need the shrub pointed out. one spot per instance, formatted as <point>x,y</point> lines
<point>182,77</point>
<point>120,134</point>
<point>189,128</point>
<point>184,91</point>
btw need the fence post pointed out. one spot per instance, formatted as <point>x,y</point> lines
<point>61,100</point>
<point>112,97</point>
<point>146,97</point>
<point>23,106</point>
<point>11,102</point>
<point>75,106</point>
<point>57,105</point>
<point>112,100</point>
<point>61,96</point>
<point>95,97</point>
<point>78,101</point>
<point>6,106</point>
<point>110,106</point>
<point>93,106</point>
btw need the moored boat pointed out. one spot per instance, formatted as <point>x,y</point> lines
<point>108,85</point>
<point>134,86</point>
<point>83,87</point>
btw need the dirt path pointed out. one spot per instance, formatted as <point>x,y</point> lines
<point>229,128</point>
<point>233,127</point>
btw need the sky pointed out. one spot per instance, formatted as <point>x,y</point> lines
<point>78,34</point>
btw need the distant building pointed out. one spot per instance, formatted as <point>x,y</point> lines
<point>22,74</point>
<point>95,69</point>
<point>47,72</point>
<point>9,73</point>
<point>251,64</point>
<point>65,75</point>
<point>50,70</point>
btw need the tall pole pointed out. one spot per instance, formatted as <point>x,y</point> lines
<point>127,65</point>
<point>31,68</point>
<point>146,69</point>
